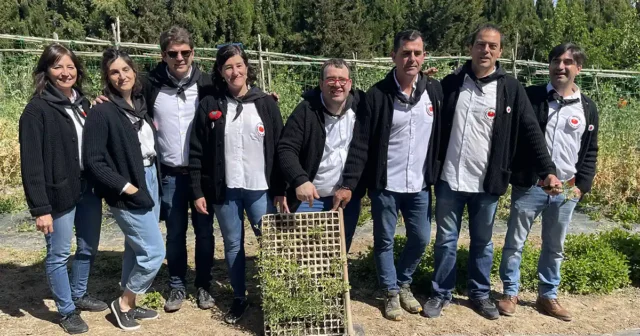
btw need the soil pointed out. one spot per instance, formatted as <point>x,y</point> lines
<point>26,307</point>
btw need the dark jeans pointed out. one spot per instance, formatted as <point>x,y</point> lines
<point>176,201</point>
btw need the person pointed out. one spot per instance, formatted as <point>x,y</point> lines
<point>402,146</point>
<point>487,117</point>
<point>569,120</point>
<point>58,193</point>
<point>172,91</point>
<point>232,160</point>
<point>120,152</point>
<point>316,143</point>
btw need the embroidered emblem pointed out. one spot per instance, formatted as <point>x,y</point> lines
<point>490,114</point>
<point>508,109</point>
<point>574,122</point>
<point>430,109</point>
<point>591,128</point>
<point>215,115</point>
<point>260,129</point>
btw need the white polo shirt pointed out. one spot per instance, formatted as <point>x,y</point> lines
<point>467,158</point>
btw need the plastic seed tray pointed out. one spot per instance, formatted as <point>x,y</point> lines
<point>315,242</point>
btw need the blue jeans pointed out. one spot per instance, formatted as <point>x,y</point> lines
<point>86,218</point>
<point>176,201</point>
<point>230,216</point>
<point>143,242</point>
<point>416,211</point>
<point>449,208</point>
<point>526,205</point>
<point>351,214</point>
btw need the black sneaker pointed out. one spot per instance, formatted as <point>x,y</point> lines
<point>238,308</point>
<point>74,324</point>
<point>434,306</point>
<point>486,308</point>
<point>205,301</point>
<point>88,303</point>
<point>140,313</point>
<point>174,302</point>
<point>126,320</point>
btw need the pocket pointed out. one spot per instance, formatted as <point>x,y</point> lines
<point>138,200</point>
<point>59,194</point>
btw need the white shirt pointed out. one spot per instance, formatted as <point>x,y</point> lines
<point>244,148</point>
<point>147,144</point>
<point>409,143</point>
<point>564,135</point>
<point>467,158</point>
<point>339,132</point>
<point>174,116</point>
<point>78,123</point>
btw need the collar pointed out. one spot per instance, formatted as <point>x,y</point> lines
<point>576,93</point>
<point>180,81</point>
<point>74,96</point>
<point>335,116</point>
<point>466,75</point>
<point>415,81</point>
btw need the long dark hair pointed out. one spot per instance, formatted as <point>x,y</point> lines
<point>222,56</point>
<point>108,57</point>
<point>50,56</point>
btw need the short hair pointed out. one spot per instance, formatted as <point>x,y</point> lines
<point>108,57</point>
<point>49,57</point>
<point>483,27</point>
<point>177,35</point>
<point>406,35</point>
<point>336,63</point>
<point>224,54</point>
<point>578,54</point>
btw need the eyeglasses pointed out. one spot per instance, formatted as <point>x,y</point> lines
<point>340,80</point>
<point>174,54</point>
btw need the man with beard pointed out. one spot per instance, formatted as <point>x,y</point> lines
<point>402,132</point>
<point>487,118</point>
<point>317,157</point>
<point>569,120</point>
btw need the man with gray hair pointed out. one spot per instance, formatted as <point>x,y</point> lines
<point>319,161</point>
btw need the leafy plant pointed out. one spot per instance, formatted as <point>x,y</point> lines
<point>152,300</point>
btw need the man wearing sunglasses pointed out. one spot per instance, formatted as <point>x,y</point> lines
<point>318,159</point>
<point>172,91</point>
<point>401,136</point>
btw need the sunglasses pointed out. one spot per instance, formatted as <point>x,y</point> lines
<point>184,53</point>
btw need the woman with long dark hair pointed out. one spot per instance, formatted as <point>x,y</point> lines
<point>58,194</point>
<point>120,152</point>
<point>232,160</point>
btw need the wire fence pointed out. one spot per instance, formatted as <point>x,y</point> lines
<point>286,74</point>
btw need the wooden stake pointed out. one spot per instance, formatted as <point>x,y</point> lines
<point>345,274</point>
<point>55,36</point>
<point>515,55</point>
<point>268,69</point>
<point>261,63</point>
<point>355,68</point>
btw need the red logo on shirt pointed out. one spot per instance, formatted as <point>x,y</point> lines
<point>490,114</point>
<point>591,128</point>
<point>260,129</point>
<point>215,115</point>
<point>574,122</point>
<point>430,110</point>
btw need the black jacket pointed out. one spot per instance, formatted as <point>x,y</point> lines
<point>153,82</point>
<point>49,158</point>
<point>524,174</point>
<point>113,156</point>
<point>302,144</point>
<point>375,134</point>
<point>515,129</point>
<point>206,148</point>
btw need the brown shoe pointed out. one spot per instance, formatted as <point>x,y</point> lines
<point>507,305</point>
<point>553,308</point>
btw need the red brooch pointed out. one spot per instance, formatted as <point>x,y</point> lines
<point>215,115</point>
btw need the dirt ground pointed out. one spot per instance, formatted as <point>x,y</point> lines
<point>26,307</point>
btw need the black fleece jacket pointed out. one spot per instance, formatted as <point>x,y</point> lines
<point>515,129</point>
<point>524,168</point>
<point>303,139</point>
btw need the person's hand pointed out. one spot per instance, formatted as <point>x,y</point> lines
<point>341,198</point>
<point>431,71</point>
<point>201,205</point>
<point>44,224</point>
<point>307,192</point>
<point>275,96</point>
<point>576,193</point>
<point>100,99</point>
<point>282,202</point>
<point>131,189</point>
<point>553,184</point>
